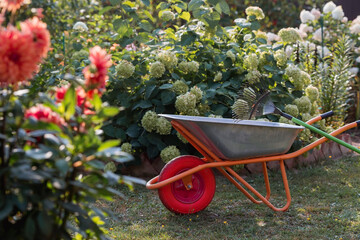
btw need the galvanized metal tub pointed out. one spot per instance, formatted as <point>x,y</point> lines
<point>234,140</point>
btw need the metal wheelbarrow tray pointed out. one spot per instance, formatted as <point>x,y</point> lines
<point>231,140</point>
<point>187,184</point>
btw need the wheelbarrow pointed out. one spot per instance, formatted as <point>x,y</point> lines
<point>186,184</point>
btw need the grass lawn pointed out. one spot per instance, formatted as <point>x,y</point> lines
<point>325,205</point>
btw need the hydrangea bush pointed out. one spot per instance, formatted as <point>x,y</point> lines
<point>196,70</point>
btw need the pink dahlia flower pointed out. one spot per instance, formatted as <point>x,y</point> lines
<point>44,114</point>
<point>18,57</point>
<point>82,102</point>
<point>11,5</point>
<point>96,74</point>
<point>41,35</point>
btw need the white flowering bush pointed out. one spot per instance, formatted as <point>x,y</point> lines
<point>328,53</point>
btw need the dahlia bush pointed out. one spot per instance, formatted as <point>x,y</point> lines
<point>54,163</point>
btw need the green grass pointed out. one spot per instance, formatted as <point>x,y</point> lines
<point>325,205</point>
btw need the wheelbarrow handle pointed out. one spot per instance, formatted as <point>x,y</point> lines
<point>327,114</point>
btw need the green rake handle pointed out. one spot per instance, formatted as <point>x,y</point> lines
<point>314,129</point>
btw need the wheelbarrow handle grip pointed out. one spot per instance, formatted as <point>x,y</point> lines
<point>327,114</point>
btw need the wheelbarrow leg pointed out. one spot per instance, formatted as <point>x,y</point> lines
<point>255,192</point>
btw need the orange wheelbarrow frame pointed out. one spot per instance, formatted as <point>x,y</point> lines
<point>212,161</point>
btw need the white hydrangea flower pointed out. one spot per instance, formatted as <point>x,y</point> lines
<point>338,13</point>
<point>329,7</point>
<point>344,20</point>
<point>157,69</point>
<point>163,126</point>
<point>326,51</point>
<point>356,20</point>
<point>125,69</point>
<point>305,28</point>
<point>317,35</point>
<point>167,16</point>
<point>358,59</point>
<point>355,29</point>
<point>312,93</point>
<point>255,11</point>
<point>306,16</point>
<point>80,26</point>
<point>289,35</point>
<point>169,153</point>
<point>354,70</point>
<point>231,55</point>
<point>168,58</point>
<point>251,62</point>
<point>316,13</point>
<point>218,77</point>
<point>197,92</point>
<point>271,37</point>
<point>280,57</point>
<point>126,147</point>
<point>289,50</point>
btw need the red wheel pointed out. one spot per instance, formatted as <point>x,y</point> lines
<point>176,197</point>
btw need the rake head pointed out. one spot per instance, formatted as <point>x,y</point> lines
<point>252,104</point>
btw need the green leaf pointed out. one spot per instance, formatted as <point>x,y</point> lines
<point>120,26</point>
<point>143,37</point>
<point>143,104</point>
<point>149,91</point>
<point>212,19</point>
<point>133,131</point>
<point>109,144</point>
<point>114,132</point>
<point>146,25</point>
<point>255,25</point>
<point>167,97</point>
<point>185,15</point>
<point>261,40</point>
<point>115,2</point>
<point>152,151</point>
<point>96,164</point>
<point>39,154</point>
<point>69,102</point>
<point>30,228</point>
<point>104,10</point>
<point>96,102</point>
<point>146,2</point>
<point>219,109</point>
<point>224,7</point>
<point>270,68</point>
<point>6,210</point>
<point>148,14</point>
<point>195,4</point>
<point>110,111</point>
<point>188,38</point>
<point>166,86</point>
<point>63,166</point>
